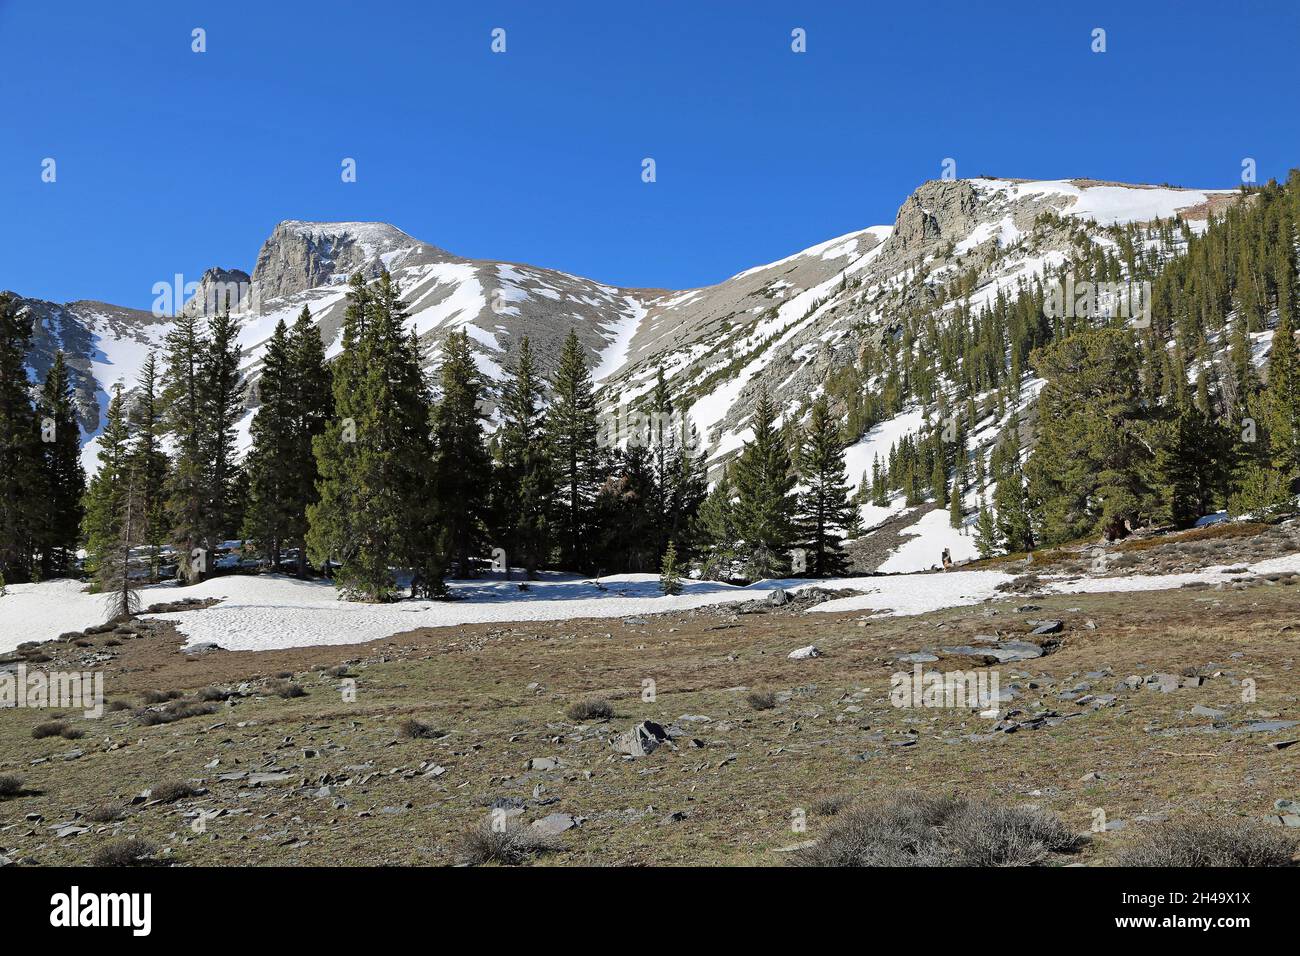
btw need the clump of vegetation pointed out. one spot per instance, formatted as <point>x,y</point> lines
<point>418,730</point>
<point>913,829</point>
<point>51,728</point>
<point>590,710</point>
<point>10,786</point>
<point>106,813</point>
<point>761,700</point>
<point>130,852</point>
<point>830,805</point>
<point>510,845</point>
<point>1210,843</point>
<point>173,790</point>
<point>159,696</point>
<point>174,711</point>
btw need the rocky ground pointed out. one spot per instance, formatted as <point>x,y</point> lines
<point>1118,710</point>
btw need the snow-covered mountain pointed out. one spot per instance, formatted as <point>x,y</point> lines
<point>785,326</point>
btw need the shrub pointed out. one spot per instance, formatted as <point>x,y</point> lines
<point>176,710</point>
<point>130,852</point>
<point>159,696</point>
<point>761,700</point>
<point>913,829</point>
<point>286,689</point>
<point>10,786</point>
<point>511,845</point>
<point>1210,843</point>
<point>50,728</point>
<point>591,710</point>
<point>418,730</point>
<point>106,813</point>
<point>830,804</point>
<point>172,790</point>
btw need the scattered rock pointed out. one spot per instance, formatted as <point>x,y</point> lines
<point>554,824</point>
<point>641,740</point>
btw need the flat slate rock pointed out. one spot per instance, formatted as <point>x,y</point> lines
<point>1266,726</point>
<point>554,824</point>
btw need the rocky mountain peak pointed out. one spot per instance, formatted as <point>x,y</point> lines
<point>305,255</point>
<point>938,209</point>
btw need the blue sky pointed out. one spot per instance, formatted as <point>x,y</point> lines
<point>171,161</point>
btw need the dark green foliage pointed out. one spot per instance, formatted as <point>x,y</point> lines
<point>295,402</point>
<point>764,511</point>
<point>1092,471</point>
<point>523,482</point>
<point>670,581</point>
<point>571,433</point>
<point>824,509</point>
<point>20,454</point>
<point>63,479</point>
<point>374,457</point>
<point>462,468</point>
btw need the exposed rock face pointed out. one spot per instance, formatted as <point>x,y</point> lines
<point>218,289</point>
<point>301,255</point>
<point>940,209</point>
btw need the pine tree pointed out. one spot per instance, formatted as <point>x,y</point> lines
<point>271,463</point>
<point>715,529</point>
<point>956,517</point>
<point>115,579</point>
<point>313,407</point>
<point>374,512</point>
<point>184,419</point>
<point>824,509</point>
<point>462,469</point>
<point>571,432</point>
<point>19,451</point>
<point>523,482</point>
<point>765,505</point>
<point>670,581</point>
<point>64,480</point>
<point>105,498</point>
<point>1092,468</point>
<point>987,540</point>
<point>150,463</point>
<point>1281,403</point>
<point>879,486</point>
<point>222,403</point>
<point>687,487</point>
